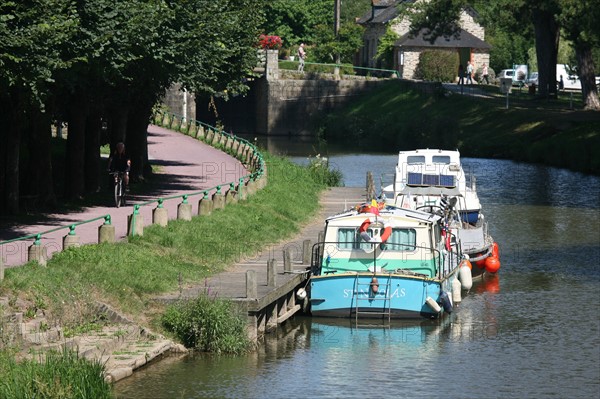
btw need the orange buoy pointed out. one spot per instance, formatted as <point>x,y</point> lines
<point>492,264</point>
<point>480,263</point>
<point>496,250</point>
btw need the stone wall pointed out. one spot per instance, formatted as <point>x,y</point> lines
<point>180,102</point>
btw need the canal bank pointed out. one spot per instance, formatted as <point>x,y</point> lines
<point>520,126</point>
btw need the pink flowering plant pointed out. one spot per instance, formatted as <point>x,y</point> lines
<point>270,42</point>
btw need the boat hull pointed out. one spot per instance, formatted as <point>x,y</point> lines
<point>398,296</point>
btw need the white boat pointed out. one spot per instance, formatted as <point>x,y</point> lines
<point>384,262</point>
<point>426,180</point>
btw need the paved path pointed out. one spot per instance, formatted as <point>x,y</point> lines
<point>186,164</point>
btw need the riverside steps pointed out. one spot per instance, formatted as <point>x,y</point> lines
<point>266,284</point>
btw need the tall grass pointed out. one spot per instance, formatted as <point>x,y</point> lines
<point>60,375</point>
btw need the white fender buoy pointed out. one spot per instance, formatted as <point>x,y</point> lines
<point>456,291</point>
<point>466,279</point>
<point>433,304</point>
<point>301,294</point>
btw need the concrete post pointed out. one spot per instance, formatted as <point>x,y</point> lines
<point>251,284</point>
<point>106,232</point>
<point>272,65</point>
<point>306,252</point>
<point>229,144</point>
<point>231,195</point>
<point>37,252</point>
<point>271,279</point>
<point>201,133</point>
<point>184,210</point>
<point>218,199</point>
<point>135,223</point>
<point>235,146</point>
<point>1,268</point>
<point>71,239</point>
<point>205,205</point>
<point>216,138</point>
<point>287,261</point>
<point>160,216</point>
<point>240,190</point>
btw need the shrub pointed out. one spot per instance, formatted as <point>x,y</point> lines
<point>208,324</point>
<point>322,174</point>
<point>437,66</point>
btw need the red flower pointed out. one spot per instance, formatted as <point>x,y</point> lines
<point>270,42</point>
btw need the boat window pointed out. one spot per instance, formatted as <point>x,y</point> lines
<point>444,159</point>
<point>415,159</point>
<point>400,240</point>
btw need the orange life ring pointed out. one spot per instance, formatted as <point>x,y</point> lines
<point>384,235</point>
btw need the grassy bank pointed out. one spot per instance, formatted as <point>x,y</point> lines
<point>531,129</point>
<point>128,275</point>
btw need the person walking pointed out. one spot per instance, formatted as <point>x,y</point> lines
<point>301,57</point>
<point>469,73</point>
<point>485,74</point>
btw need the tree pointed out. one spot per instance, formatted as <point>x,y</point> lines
<point>579,20</point>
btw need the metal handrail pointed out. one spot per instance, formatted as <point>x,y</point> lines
<point>71,227</point>
<point>391,71</point>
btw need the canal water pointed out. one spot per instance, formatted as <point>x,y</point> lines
<point>533,331</point>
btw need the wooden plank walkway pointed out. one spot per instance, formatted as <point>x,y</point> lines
<point>232,283</point>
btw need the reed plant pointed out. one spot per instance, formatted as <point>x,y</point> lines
<point>58,375</point>
<point>209,324</point>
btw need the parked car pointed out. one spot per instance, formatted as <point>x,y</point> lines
<point>506,74</point>
<point>533,79</point>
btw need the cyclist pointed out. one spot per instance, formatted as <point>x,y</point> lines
<point>120,162</point>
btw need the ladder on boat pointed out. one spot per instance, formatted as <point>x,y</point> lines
<point>385,311</point>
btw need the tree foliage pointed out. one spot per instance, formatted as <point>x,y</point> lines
<point>106,62</point>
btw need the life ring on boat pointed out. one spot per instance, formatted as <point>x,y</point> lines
<point>384,234</point>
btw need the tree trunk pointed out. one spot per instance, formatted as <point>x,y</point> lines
<point>137,141</point>
<point>39,178</point>
<point>10,162</point>
<point>585,68</point>
<point>546,46</point>
<point>92,152</point>
<point>75,155</point>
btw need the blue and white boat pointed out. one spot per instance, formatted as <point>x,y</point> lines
<point>426,179</point>
<point>384,262</point>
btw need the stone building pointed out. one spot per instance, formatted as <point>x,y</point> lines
<point>470,46</point>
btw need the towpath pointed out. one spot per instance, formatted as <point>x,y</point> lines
<point>185,164</point>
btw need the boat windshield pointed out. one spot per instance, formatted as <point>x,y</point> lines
<point>415,159</point>
<point>443,159</point>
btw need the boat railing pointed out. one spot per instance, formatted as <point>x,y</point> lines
<point>325,249</point>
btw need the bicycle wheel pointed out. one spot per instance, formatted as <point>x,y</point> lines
<point>118,192</point>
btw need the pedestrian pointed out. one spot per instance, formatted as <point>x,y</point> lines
<point>485,74</point>
<point>461,73</point>
<point>469,72</point>
<point>561,83</point>
<point>301,57</point>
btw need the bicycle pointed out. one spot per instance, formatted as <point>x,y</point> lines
<point>119,188</point>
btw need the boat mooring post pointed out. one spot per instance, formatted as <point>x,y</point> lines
<point>287,261</point>
<point>271,280</point>
<point>251,284</point>
<point>306,252</point>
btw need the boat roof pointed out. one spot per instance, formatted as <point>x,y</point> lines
<point>390,212</point>
<point>429,156</point>
<point>431,190</point>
